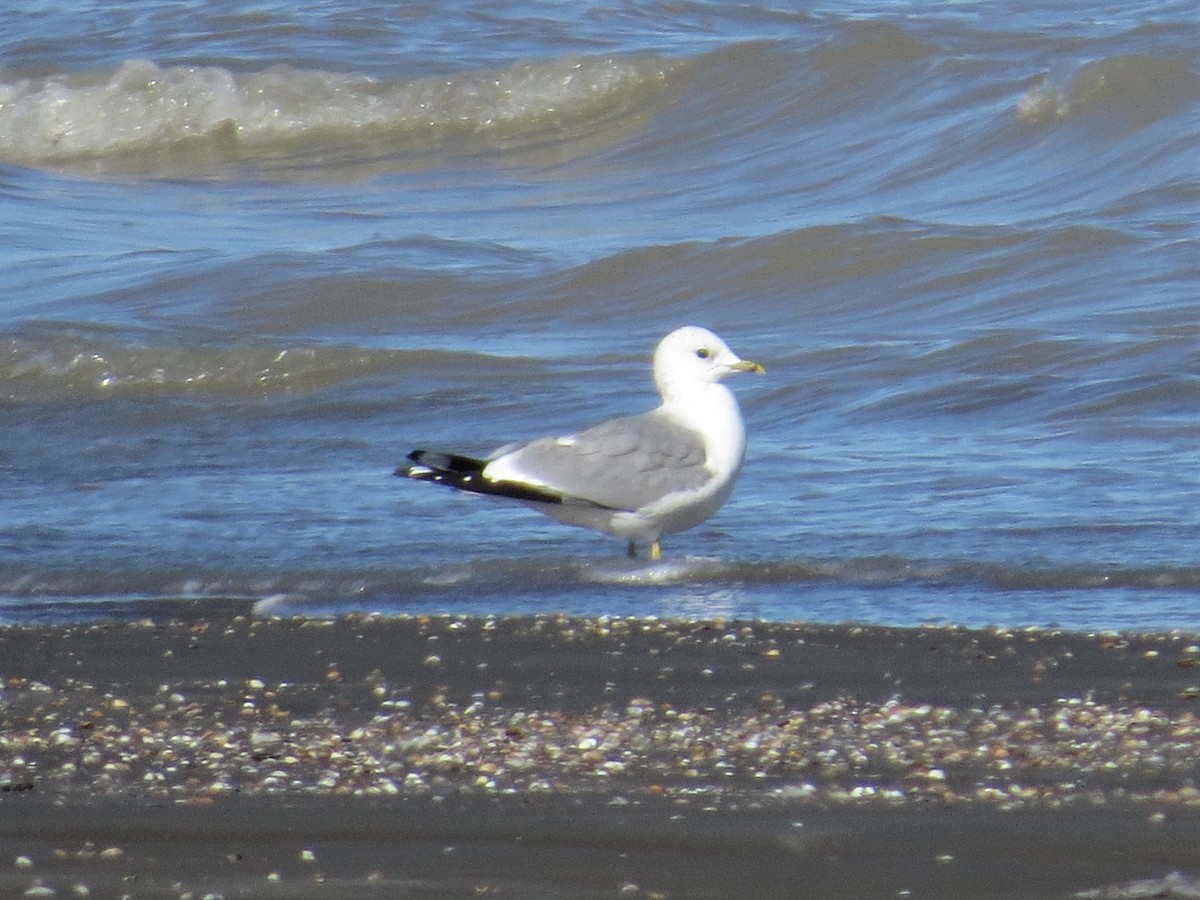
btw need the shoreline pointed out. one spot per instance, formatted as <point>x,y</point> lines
<point>674,746</point>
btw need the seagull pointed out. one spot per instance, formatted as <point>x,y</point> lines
<point>637,477</point>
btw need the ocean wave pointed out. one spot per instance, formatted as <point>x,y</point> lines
<point>1129,92</point>
<point>485,577</point>
<point>864,50</point>
<point>141,111</point>
<point>84,364</point>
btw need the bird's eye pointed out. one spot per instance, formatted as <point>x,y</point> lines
<point>703,353</point>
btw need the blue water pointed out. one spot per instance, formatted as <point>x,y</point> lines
<point>252,256</point>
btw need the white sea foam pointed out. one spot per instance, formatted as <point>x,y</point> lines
<point>145,108</point>
<point>669,571</point>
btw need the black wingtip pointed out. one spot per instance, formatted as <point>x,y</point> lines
<point>405,470</point>
<point>450,469</point>
<point>464,473</point>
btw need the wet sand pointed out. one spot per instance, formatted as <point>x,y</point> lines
<point>555,757</point>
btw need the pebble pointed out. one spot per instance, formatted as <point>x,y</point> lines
<point>191,742</point>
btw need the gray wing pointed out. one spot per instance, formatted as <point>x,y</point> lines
<point>620,464</point>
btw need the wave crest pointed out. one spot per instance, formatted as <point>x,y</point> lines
<point>142,108</point>
<point>86,365</point>
<point>1136,90</point>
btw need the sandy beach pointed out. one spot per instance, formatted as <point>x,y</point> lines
<point>556,757</point>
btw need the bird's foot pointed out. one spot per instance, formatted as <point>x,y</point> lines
<point>655,551</point>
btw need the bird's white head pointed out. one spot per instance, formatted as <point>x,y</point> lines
<point>691,357</point>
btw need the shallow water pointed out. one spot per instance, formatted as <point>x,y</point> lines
<point>253,257</point>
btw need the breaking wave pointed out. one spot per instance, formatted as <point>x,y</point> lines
<point>84,365</point>
<point>142,111</point>
<point>534,585</point>
<point>1130,92</point>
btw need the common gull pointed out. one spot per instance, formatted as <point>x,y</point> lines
<point>638,477</point>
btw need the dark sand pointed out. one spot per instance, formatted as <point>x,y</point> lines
<point>552,757</point>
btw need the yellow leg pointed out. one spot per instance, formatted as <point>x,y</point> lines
<point>655,551</point>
